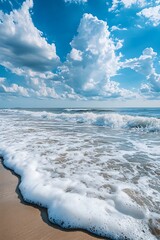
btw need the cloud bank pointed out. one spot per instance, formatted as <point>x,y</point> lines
<point>90,67</point>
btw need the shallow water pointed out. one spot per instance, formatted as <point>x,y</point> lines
<point>93,169</point>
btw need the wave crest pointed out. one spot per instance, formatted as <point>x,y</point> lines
<point>107,119</point>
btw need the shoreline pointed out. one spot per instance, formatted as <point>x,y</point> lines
<point>22,220</point>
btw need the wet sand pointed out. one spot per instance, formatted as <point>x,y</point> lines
<point>20,220</point>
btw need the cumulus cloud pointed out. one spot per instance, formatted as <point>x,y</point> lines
<point>150,10</point>
<point>76,54</point>
<point>22,46</point>
<point>152,89</point>
<point>145,65</point>
<point>87,72</point>
<point>43,90</point>
<point>93,60</point>
<point>127,3</point>
<point>52,89</point>
<point>152,14</point>
<point>36,88</point>
<point>14,88</point>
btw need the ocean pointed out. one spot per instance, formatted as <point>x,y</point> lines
<point>93,169</point>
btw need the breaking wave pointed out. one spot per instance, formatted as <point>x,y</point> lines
<point>99,118</point>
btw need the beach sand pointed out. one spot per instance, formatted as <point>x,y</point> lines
<point>22,221</point>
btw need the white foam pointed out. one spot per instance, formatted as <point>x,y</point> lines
<point>86,177</point>
<point>112,120</point>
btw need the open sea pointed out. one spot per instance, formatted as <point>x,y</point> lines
<point>93,169</point>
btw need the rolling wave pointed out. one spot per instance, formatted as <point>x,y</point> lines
<point>107,119</point>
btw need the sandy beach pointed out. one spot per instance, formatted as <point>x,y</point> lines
<point>20,220</point>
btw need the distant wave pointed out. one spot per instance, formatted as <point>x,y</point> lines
<point>82,110</point>
<point>107,119</point>
<point>113,120</point>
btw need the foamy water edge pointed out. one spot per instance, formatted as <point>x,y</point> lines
<point>81,213</point>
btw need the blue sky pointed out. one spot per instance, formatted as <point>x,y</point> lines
<point>79,53</point>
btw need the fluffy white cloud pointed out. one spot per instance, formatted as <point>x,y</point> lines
<point>22,46</point>
<point>152,89</point>
<point>44,91</point>
<point>152,14</point>
<point>145,65</point>
<point>36,88</point>
<point>76,54</point>
<point>14,88</point>
<point>51,89</point>
<point>93,60</point>
<point>127,3</point>
<point>87,72</point>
